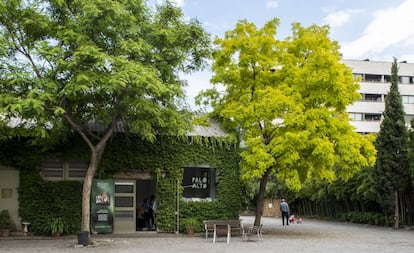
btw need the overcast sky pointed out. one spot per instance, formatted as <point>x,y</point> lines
<point>374,29</point>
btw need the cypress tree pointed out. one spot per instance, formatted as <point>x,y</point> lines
<point>392,167</point>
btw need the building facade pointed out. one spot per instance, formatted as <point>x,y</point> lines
<point>200,168</point>
<point>375,82</point>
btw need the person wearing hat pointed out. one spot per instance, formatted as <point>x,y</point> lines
<point>284,209</point>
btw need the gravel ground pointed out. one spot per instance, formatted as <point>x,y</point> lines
<point>309,236</point>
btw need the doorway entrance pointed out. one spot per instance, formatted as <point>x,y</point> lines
<point>131,188</point>
<point>145,188</point>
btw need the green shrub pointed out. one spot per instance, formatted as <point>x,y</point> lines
<point>6,222</point>
<point>54,226</point>
<point>40,201</point>
<point>371,218</point>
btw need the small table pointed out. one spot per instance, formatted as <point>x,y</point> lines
<point>25,227</point>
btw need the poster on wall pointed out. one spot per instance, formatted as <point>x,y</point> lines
<point>196,183</point>
<point>102,206</point>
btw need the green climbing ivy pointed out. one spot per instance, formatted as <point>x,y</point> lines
<point>40,200</point>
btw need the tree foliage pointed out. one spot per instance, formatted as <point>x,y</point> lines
<point>89,66</point>
<point>392,168</point>
<point>288,97</point>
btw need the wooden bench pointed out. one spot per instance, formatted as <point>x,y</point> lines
<point>223,228</point>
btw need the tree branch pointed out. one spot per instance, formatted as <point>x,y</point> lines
<point>78,129</point>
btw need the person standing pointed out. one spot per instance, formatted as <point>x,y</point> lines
<point>153,204</point>
<point>147,212</point>
<point>284,209</point>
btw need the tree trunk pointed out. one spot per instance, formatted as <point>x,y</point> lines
<point>86,192</point>
<point>397,210</point>
<point>96,155</point>
<point>260,196</point>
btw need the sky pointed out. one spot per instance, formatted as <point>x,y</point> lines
<point>375,29</point>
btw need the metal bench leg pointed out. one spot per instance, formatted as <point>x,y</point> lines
<point>228,234</point>
<point>260,233</point>
<point>214,234</point>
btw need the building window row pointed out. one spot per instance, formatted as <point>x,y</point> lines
<point>63,170</point>
<point>406,99</point>
<point>365,116</point>
<point>371,78</point>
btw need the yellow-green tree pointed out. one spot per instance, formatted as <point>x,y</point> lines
<point>288,98</point>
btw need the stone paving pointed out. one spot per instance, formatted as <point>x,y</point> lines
<point>309,236</point>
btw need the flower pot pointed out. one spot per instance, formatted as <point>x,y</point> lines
<point>189,230</point>
<point>5,232</point>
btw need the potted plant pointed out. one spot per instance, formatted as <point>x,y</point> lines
<point>6,223</point>
<point>190,225</point>
<point>55,226</point>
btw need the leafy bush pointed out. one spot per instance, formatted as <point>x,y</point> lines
<point>40,201</point>
<point>54,226</point>
<point>378,219</point>
<point>6,222</point>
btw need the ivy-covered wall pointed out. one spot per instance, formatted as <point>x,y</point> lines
<point>41,200</point>
<point>171,154</point>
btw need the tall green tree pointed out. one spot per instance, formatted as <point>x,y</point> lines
<point>93,66</point>
<point>288,97</point>
<point>392,167</point>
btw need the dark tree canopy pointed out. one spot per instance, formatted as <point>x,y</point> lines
<point>392,167</point>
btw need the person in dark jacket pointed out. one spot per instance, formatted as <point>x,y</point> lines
<point>284,209</point>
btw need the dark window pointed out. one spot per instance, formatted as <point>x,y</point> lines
<point>124,201</point>
<point>77,169</point>
<point>63,170</point>
<point>124,188</point>
<point>198,183</point>
<point>372,117</point>
<point>52,169</point>
<point>372,78</point>
<point>372,97</point>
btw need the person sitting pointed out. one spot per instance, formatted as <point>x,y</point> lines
<point>292,219</point>
<point>140,219</point>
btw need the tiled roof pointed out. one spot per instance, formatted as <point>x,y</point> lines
<point>213,129</point>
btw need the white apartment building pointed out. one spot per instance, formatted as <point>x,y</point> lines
<point>375,83</point>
